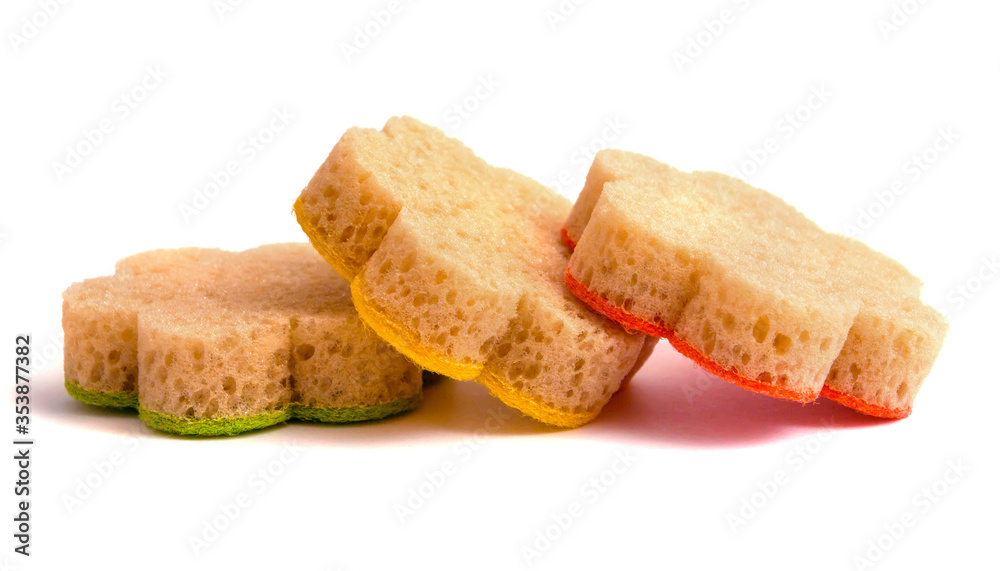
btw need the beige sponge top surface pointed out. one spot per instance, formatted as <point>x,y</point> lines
<point>750,282</point>
<point>272,277</point>
<point>719,220</point>
<point>459,264</point>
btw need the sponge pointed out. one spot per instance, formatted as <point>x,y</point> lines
<point>748,287</point>
<point>459,265</point>
<point>211,342</point>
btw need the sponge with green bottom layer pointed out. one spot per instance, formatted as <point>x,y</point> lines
<point>209,342</point>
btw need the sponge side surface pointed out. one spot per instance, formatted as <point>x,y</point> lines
<point>458,264</point>
<point>738,278</point>
<point>212,342</point>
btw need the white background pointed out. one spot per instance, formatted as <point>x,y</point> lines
<point>700,446</point>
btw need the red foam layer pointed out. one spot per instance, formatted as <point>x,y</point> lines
<point>685,348</point>
<point>566,239</point>
<point>866,407</point>
<point>630,322</point>
<point>633,323</point>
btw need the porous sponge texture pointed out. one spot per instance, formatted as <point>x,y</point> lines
<point>229,426</point>
<point>459,265</point>
<point>224,342</point>
<point>741,281</point>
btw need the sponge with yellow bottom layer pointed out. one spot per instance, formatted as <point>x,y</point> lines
<point>459,265</point>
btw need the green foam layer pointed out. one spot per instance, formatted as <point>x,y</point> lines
<point>228,426</point>
<point>109,399</point>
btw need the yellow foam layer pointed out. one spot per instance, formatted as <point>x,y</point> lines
<point>338,263</point>
<point>406,342</point>
<point>516,399</point>
<point>401,339</point>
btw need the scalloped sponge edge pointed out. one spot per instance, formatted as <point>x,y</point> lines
<point>632,322</point>
<point>229,426</point>
<point>406,344</point>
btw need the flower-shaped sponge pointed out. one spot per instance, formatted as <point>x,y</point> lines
<point>211,342</point>
<point>749,288</point>
<point>459,265</point>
